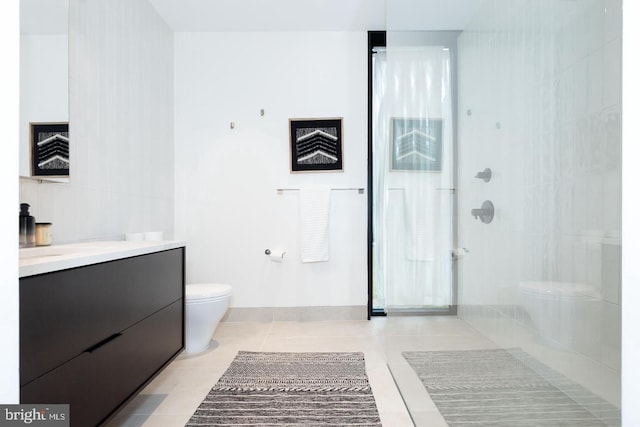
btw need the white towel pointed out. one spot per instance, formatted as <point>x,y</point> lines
<point>314,221</point>
<point>419,209</point>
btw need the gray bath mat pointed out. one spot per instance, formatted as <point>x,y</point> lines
<point>324,389</point>
<point>506,388</point>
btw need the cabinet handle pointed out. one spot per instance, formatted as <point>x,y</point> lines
<point>102,343</point>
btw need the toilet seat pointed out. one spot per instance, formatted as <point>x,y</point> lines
<point>207,291</point>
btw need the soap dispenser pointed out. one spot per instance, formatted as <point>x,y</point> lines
<point>27,231</point>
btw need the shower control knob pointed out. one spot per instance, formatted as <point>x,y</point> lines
<point>485,213</point>
<point>484,175</point>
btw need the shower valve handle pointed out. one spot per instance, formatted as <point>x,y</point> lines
<point>485,213</point>
<point>484,175</point>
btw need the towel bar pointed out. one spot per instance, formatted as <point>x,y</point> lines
<point>360,190</point>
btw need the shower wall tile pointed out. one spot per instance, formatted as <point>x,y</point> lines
<point>580,257</point>
<point>594,24</point>
<point>564,260</point>
<point>612,118</point>
<point>588,327</point>
<point>611,335</point>
<point>612,205</point>
<point>611,267</point>
<point>612,73</point>
<point>594,269</point>
<point>612,19</point>
<point>580,87</point>
<point>580,205</point>
<point>595,80</point>
<point>594,206</point>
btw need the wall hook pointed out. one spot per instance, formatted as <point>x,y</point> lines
<point>232,125</point>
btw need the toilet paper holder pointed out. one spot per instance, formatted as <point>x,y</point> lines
<point>276,255</point>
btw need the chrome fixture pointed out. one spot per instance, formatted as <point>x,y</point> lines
<point>485,213</point>
<point>485,175</point>
<point>359,190</point>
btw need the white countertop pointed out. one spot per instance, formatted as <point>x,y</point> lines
<point>46,259</point>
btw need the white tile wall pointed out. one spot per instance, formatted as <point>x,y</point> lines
<point>559,65</point>
<point>121,125</point>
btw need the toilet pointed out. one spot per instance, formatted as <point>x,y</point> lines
<point>205,305</point>
<point>552,307</point>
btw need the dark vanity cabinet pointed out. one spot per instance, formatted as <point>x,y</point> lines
<point>94,336</point>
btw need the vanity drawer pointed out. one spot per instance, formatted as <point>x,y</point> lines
<point>97,382</point>
<point>64,313</point>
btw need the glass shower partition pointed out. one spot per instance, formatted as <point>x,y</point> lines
<point>536,212</point>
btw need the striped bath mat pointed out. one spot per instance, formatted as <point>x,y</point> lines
<point>506,389</point>
<point>272,389</point>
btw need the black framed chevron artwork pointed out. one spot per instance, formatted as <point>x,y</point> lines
<point>50,149</point>
<point>416,144</point>
<point>315,145</point>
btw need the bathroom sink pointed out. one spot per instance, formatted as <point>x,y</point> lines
<point>45,251</point>
<point>38,255</point>
<point>48,252</point>
<point>67,249</point>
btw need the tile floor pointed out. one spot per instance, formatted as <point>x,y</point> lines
<point>171,398</point>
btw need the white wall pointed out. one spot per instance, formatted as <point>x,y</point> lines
<point>121,126</point>
<point>9,87</point>
<point>541,105</point>
<point>44,86</point>
<point>227,207</point>
<point>630,224</point>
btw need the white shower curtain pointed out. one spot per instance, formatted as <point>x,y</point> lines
<point>412,170</point>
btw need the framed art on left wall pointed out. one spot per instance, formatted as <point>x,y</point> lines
<point>49,149</point>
